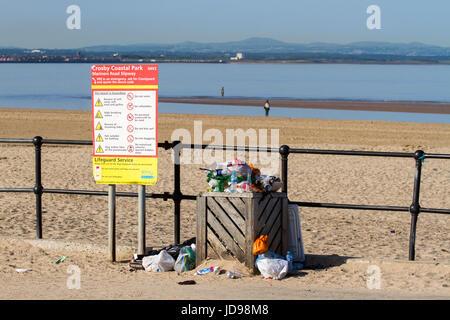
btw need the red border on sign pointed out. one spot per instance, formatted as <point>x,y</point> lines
<point>124,89</point>
<point>125,156</point>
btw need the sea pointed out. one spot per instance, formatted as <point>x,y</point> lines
<point>67,87</point>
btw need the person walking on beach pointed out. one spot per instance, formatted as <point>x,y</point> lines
<point>267,107</point>
<point>223,91</point>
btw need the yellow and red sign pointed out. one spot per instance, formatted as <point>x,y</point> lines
<point>125,124</point>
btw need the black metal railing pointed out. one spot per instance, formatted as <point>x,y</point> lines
<point>177,196</point>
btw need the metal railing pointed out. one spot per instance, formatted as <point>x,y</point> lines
<point>177,196</point>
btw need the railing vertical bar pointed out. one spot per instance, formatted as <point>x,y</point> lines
<point>284,152</point>
<point>414,209</point>
<point>37,141</point>
<point>177,195</point>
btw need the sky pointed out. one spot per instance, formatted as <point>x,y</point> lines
<point>42,24</point>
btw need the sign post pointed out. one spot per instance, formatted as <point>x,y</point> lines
<point>112,222</point>
<point>124,132</point>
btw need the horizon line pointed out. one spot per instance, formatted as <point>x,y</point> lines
<point>222,42</point>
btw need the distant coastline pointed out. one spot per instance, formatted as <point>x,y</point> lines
<point>219,61</point>
<point>251,50</point>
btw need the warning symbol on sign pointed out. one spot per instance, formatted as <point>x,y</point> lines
<point>99,138</point>
<point>99,115</point>
<point>99,103</point>
<point>99,149</point>
<point>99,127</point>
<point>130,148</point>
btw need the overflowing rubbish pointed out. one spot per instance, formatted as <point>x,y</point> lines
<point>260,245</point>
<point>161,262</point>
<point>237,177</point>
<point>174,250</point>
<point>215,269</point>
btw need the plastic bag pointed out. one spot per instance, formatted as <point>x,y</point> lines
<point>275,269</point>
<point>174,249</point>
<point>269,255</point>
<point>185,260</point>
<point>260,245</point>
<point>161,262</point>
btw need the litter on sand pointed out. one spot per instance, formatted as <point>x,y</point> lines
<point>187,282</point>
<point>60,260</point>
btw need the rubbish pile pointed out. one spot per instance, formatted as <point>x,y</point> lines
<point>270,264</point>
<point>237,177</point>
<point>179,258</point>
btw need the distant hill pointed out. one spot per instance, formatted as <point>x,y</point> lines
<point>253,49</point>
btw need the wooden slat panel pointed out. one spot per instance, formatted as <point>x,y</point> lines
<point>233,213</point>
<point>275,236</point>
<point>219,249</point>
<point>224,236</point>
<point>262,204</point>
<point>212,254</point>
<point>251,205</point>
<point>201,252</point>
<point>240,206</point>
<point>272,229</point>
<point>268,216</point>
<point>225,220</point>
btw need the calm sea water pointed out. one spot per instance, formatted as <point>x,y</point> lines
<point>67,86</point>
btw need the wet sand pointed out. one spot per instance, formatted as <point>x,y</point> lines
<point>389,106</point>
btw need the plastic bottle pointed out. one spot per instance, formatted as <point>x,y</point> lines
<point>233,181</point>
<point>233,274</point>
<point>290,260</point>
<point>207,270</point>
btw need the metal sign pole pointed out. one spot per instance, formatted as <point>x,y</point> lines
<point>141,221</point>
<point>112,222</point>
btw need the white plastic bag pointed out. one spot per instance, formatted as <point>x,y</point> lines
<point>161,262</point>
<point>272,268</point>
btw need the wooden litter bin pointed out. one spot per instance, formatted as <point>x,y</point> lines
<point>228,224</point>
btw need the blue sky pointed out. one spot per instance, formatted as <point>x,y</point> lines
<point>42,24</point>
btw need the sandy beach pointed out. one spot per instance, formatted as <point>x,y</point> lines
<point>340,244</point>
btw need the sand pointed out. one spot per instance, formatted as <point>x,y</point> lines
<point>391,106</point>
<point>340,244</point>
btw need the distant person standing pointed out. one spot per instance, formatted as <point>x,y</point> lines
<point>223,91</point>
<point>267,107</point>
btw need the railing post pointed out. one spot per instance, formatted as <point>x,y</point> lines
<point>141,220</point>
<point>38,189</point>
<point>414,209</point>
<point>177,195</point>
<point>284,152</point>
